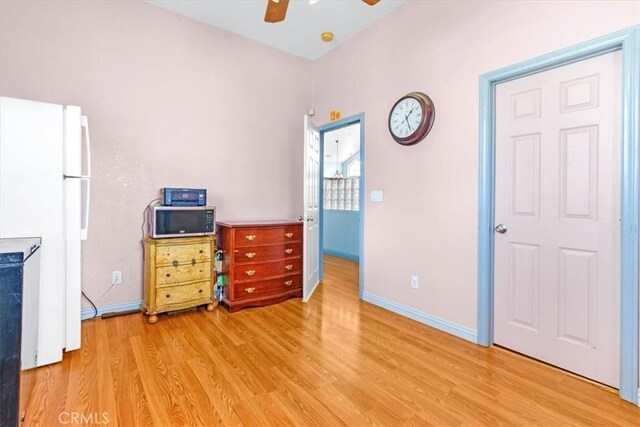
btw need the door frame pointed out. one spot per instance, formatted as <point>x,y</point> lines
<point>628,42</point>
<point>338,124</point>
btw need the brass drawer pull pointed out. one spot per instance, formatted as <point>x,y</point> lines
<point>200,291</point>
<point>288,251</point>
<point>250,272</point>
<point>288,282</point>
<point>168,295</point>
<point>288,235</point>
<point>168,274</point>
<point>250,290</point>
<point>288,267</point>
<point>193,261</point>
<point>250,237</point>
<point>201,251</point>
<point>250,254</point>
<point>175,263</point>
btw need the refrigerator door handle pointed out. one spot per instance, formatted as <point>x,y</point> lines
<point>84,122</point>
<point>84,225</point>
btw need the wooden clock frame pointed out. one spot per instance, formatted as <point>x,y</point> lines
<point>428,118</point>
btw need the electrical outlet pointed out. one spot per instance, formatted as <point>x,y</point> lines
<point>116,277</point>
<point>415,282</point>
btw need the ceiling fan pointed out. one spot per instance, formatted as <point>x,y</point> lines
<point>277,9</point>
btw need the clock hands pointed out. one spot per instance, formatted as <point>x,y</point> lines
<point>406,119</point>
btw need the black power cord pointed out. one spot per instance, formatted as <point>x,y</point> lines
<point>92,304</point>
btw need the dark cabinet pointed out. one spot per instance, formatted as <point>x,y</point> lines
<point>19,281</point>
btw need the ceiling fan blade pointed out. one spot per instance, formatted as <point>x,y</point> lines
<point>276,11</point>
<point>371,2</point>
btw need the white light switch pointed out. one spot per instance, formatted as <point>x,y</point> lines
<point>376,195</point>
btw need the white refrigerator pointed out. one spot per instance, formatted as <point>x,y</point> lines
<point>45,170</point>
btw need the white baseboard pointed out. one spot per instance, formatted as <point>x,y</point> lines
<point>639,397</point>
<point>89,312</point>
<point>419,316</point>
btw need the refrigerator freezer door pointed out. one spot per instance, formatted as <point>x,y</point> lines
<point>72,141</point>
<point>86,152</point>
<point>31,204</point>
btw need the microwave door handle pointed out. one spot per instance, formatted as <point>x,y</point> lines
<point>84,227</point>
<point>84,123</point>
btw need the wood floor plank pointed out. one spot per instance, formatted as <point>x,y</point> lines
<point>333,361</point>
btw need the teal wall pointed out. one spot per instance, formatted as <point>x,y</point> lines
<point>340,232</point>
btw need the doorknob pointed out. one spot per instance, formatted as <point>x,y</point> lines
<point>310,219</point>
<point>501,228</point>
<point>300,218</point>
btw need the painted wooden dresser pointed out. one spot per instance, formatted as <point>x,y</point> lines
<point>262,262</point>
<point>178,274</point>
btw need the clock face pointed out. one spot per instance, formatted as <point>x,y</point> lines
<point>406,117</point>
<point>411,118</point>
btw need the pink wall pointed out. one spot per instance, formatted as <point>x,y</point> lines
<point>171,102</point>
<point>427,222</point>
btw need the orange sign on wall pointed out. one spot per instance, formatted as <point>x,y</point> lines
<point>335,115</point>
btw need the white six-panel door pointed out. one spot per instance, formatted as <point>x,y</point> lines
<point>311,179</point>
<point>557,213</point>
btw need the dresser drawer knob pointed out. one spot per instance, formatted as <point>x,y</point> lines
<point>250,237</point>
<point>250,272</point>
<point>288,251</point>
<point>288,282</point>
<point>175,263</point>
<point>250,290</point>
<point>250,254</point>
<point>200,291</point>
<point>288,235</point>
<point>168,295</point>
<point>168,274</point>
<point>201,251</point>
<point>288,267</point>
<point>193,261</point>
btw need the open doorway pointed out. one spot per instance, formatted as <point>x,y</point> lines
<point>342,192</point>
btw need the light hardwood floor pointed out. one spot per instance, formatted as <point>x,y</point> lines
<point>333,361</point>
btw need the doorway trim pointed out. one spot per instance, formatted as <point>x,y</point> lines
<point>338,124</point>
<point>628,42</point>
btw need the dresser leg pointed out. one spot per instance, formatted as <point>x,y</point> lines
<point>210,307</point>
<point>152,319</point>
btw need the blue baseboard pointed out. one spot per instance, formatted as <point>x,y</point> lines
<point>341,254</point>
<point>419,316</point>
<point>89,312</point>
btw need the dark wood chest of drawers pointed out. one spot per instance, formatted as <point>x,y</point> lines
<point>262,262</point>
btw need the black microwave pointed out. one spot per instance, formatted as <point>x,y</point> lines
<point>182,221</point>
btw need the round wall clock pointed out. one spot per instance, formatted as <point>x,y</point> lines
<point>411,118</point>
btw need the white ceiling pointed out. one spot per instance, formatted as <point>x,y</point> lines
<point>349,138</point>
<point>299,33</point>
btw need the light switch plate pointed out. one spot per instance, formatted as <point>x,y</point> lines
<point>376,195</point>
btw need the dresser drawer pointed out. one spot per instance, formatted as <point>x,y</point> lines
<point>267,287</point>
<point>256,271</point>
<point>266,253</point>
<point>171,275</point>
<point>183,254</point>
<point>266,236</point>
<point>183,293</point>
